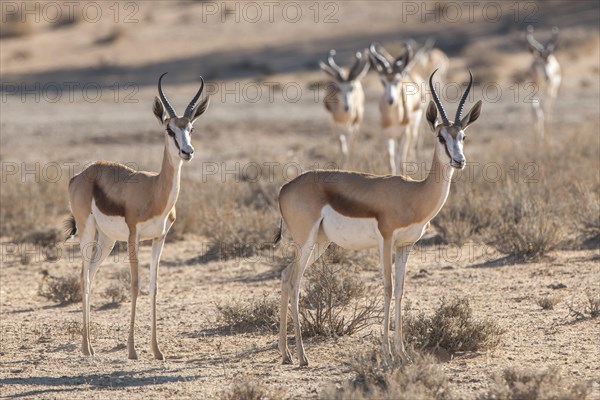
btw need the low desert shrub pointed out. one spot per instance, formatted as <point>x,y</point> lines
<point>548,302</point>
<point>62,289</point>
<point>333,302</point>
<point>515,384</point>
<point>255,315</point>
<point>390,379</point>
<point>452,327</point>
<point>250,390</point>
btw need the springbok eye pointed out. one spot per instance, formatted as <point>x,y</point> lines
<point>464,138</point>
<point>170,132</point>
<point>441,139</point>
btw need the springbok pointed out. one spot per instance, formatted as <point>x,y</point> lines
<point>545,74</point>
<point>400,106</point>
<point>429,58</point>
<point>110,202</point>
<point>345,99</point>
<point>361,211</point>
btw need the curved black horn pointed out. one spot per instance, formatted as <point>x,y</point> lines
<point>437,101</point>
<point>192,105</point>
<point>163,98</point>
<point>336,68</point>
<point>404,59</point>
<point>461,104</point>
<point>551,45</point>
<point>532,42</point>
<point>359,65</point>
<point>380,59</point>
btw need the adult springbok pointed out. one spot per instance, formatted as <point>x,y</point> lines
<point>400,106</point>
<point>110,202</point>
<point>545,74</point>
<point>361,211</point>
<point>345,99</point>
<point>429,58</point>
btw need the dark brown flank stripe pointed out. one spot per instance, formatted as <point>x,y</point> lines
<point>105,204</point>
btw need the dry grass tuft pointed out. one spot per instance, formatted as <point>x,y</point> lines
<point>256,315</point>
<point>250,390</point>
<point>63,289</point>
<point>119,289</point>
<point>333,302</point>
<point>379,379</point>
<point>516,384</point>
<point>590,308</point>
<point>452,327</point>
<point>548,302</point>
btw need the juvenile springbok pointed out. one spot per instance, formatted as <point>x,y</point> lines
<point>400,106</point>
<point>345,99</point>
<point>545,74</point>
<point>361,211</point>
<point>112,202</point>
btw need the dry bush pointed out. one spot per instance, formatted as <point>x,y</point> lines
<point>587,213</point>
<point>390,379</point>
<point>548,302</point>
<point>529,224</point>
<point>590,308</point>
<point>238,219</point>
<point>452,327</point>
<point>333,302</point>
<point>250,390</point>
<point>119,289</point>
<point>256,315</point>
<point>515,384</point>
<point>62,289</point>
<point>31,210</point>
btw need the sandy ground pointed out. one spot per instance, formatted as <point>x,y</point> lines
<point>39,344</point>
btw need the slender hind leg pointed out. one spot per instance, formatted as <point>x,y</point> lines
<point>385,254</point>
<point>88,235</point>
<point>132,249</point>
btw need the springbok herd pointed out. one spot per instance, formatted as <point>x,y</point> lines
<point>356,210</point>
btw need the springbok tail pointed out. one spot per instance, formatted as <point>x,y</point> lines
<point>279,234</point>
<point>70,227</point>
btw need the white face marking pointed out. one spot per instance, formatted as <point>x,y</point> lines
<point>391,88</point>
<point>452,147</point>
<point>346,93</point>
<point>183,139</point>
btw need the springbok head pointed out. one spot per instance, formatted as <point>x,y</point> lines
<point>451,134</point>
<point>346,82</point>
<point>177,128</point>
<point>390,69</point>
<point>542,51</point>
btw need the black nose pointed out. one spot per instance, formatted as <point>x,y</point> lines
<point>346,108</point>
<point>391,101</point>
<point>188,153</point>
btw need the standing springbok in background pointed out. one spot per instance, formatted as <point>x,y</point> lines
<point>429,58</point>
<point>545,74</point>
<point>400,106</point>
<point>361,211</point>
<point>345,99</point>
<point>112,202</point>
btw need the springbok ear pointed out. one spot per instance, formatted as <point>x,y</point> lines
<point>159,111</point>
<point>200,108</point>
<point>431,115</point>
<point>471,116</point>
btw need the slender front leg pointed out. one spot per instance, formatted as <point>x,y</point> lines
<point>157,246</point>
<point>132,248</point>
<point>402,254</point>
<point>385,254</point>
<point>392,156</point>
<point>286,356</point>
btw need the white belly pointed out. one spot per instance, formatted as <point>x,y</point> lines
<point>350,233</point>
<point>116,228</point>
